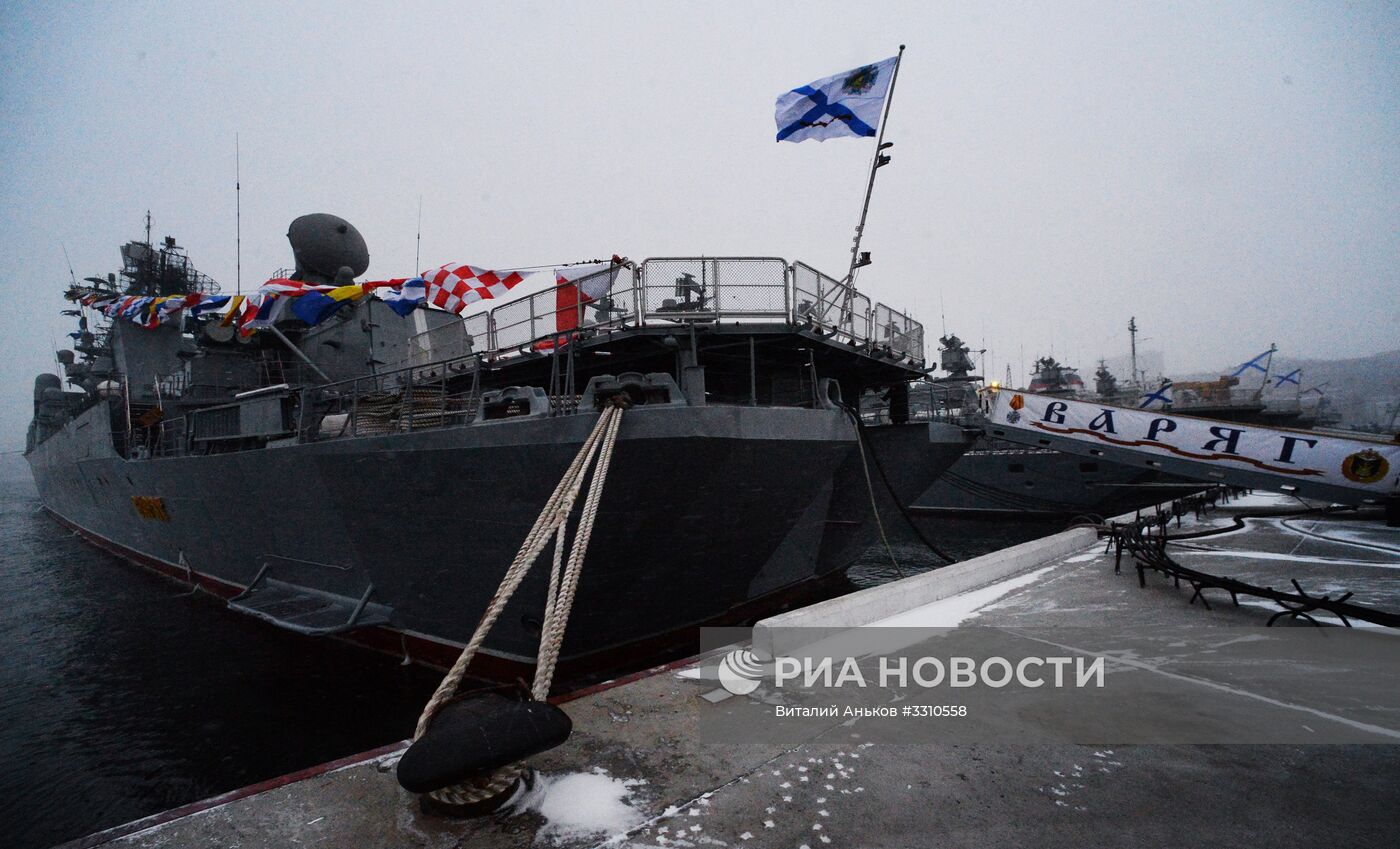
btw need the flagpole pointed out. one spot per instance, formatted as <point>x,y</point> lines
<point>1268,364</point>
<point>875,163</point>
<point>237,218</point>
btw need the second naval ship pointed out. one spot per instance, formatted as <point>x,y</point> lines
<point>997,479</point>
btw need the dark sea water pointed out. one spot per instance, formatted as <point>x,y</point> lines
<point>121,695</point>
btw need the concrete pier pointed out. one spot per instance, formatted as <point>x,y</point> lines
<point>634,760</point>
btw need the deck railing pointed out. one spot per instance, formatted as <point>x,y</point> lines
<point>426,390</point>
<point>675,290</point>
<point>831,304</point>
<point>680,289</point>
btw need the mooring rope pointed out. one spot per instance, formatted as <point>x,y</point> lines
<point>862,445</point>
<point>557,614</point>
<point>870,490</point>
<point>552,523</point>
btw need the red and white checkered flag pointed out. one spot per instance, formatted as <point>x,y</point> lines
<point>454,286</point>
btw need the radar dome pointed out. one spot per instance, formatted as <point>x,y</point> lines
<point>323,244</point>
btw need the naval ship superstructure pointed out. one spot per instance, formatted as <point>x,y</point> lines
<point>372,475</point>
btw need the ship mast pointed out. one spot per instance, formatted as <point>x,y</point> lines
<point>1268,365</point>
<point>879,160</point>
<point>1132,343</point>
<point>237,219</point>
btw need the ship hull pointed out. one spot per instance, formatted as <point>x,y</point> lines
<point>711,515</point>
<point>1000,483</point>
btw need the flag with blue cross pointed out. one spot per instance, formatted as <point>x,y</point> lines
<point>846,104</point>
<point>1254,364</point>
<point>1292,377</point>
<point>1162,395</point>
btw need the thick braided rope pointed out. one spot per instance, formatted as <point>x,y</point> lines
<point>557,616</point>
<point>555,571</point>
<point>478,791</point>
<point>556,510</point>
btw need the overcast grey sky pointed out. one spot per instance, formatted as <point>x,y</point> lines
<point>1227,172</point>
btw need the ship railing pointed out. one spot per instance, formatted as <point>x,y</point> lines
<point>687,289</point>
<point>169,438</point>
<point>172,385</point>
<point>660,291</point>
<point>947,402</point>
<point>663,291</point>
<point>426,390</point>
<point>401,400</point>
<point>200,282</point>
<point>669,291</point>
<point>898,332</point>
<point>551,318</point>
<point>830,304</point>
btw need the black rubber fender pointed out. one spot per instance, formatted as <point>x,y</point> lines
<point>477,734</point>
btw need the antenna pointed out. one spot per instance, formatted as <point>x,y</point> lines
<point>71,275</point>
<point>418,246</point>
<point>988,357</point>
<point>148,227</point>
<point>942,316</point>
<point>237,218</point>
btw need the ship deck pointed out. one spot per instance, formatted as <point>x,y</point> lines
<point>661,786</point>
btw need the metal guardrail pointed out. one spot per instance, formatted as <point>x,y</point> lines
<point>898,332</point>
<point>401,400</point>
<point>672,290</point>
<point>821,299</point>
<point>170,438</point>
<point>660,291</point>
<point>677,289</point>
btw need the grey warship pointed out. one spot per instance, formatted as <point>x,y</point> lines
<point>996,478</point>
<point>370,476</point>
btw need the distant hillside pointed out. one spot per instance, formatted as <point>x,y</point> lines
<point>1360,390</point>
